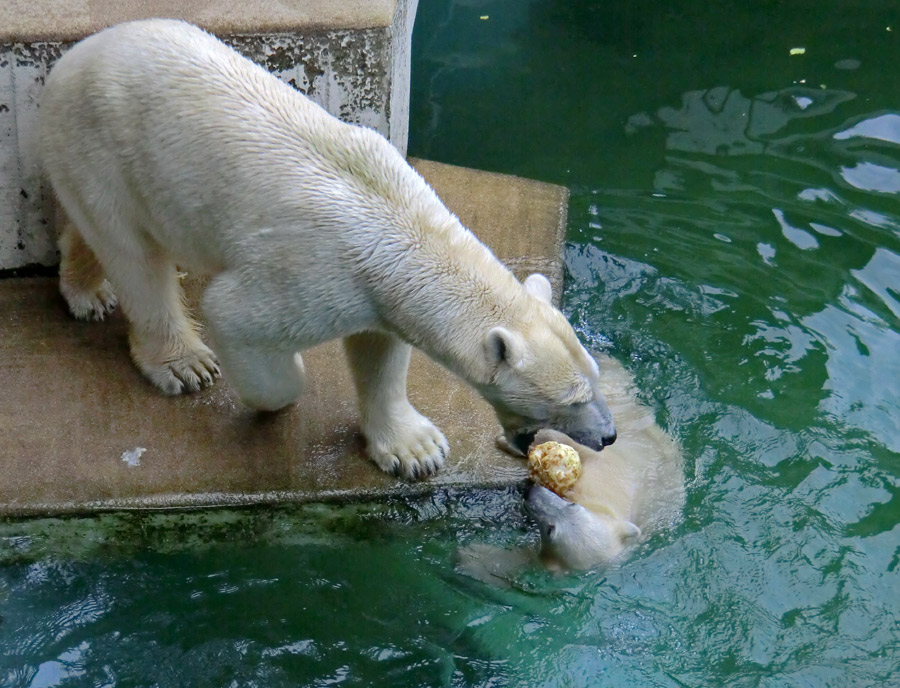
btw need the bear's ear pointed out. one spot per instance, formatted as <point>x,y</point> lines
<point>503,346</point>
<point>539,287</point>
<point>629,532</point>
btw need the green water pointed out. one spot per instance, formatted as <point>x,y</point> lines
<point>734,239</point>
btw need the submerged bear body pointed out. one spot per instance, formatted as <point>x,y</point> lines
<point>629,489</point>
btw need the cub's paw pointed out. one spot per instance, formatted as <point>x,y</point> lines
<point>182,370</point>
<point>410,447</point>
<point>93,304</point>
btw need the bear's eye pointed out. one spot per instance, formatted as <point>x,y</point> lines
<point>551,531</point>
<point>579,393</point>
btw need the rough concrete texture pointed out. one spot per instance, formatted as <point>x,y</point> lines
<point>350,57</point>
<point>72,405</point>
<point>55,20</point>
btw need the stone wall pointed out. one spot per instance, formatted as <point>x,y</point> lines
<point>352,58</point>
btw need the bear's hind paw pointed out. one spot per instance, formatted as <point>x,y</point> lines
<point>93,304</point>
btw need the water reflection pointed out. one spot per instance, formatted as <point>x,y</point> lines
<point>861,331</point>
<point>723,121</point>
<point>881,128</point>
<point>69,665</point>
<point>871,177</point>
<point>798,237</point>
<point>825,308</point>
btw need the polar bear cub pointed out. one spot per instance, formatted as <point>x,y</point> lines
<point>626,490</point>
<point>165,147</point>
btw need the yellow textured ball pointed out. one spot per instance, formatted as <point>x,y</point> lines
<point>555,466</point>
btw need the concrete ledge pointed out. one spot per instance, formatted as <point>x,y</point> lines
<point>71,402</point>
<point>351,57</point>
<point>52,20</point>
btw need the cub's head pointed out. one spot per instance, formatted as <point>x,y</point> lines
<point>574,537</point>
<point>542,377</point>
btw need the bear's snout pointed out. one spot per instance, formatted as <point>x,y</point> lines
<point>589,424</point>
<point>593,440</point>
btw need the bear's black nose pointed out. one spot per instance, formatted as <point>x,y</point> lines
<point>609,440</point>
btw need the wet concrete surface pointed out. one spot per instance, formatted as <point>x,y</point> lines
<point>73,408</point>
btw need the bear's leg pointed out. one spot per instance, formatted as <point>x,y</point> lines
<point>399,439</point>
<point>266,375</point>
<point>264,380</point>
<point>82,282</point>
<point>165,343</point>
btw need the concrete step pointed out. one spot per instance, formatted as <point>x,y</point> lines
<point>351,57</point>
<point>72,404</point>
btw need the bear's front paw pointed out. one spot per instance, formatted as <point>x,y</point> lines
<point>410,447</point>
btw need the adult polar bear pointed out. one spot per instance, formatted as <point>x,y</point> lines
<point>166,147</point>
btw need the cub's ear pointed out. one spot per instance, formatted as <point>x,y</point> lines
<point>629,532</point>
<point>503,346</point>
<point>539,287</point>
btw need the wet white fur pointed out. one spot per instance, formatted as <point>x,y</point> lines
<point>632,487</point>
<point>166,147</point>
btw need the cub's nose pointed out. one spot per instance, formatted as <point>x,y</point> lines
<point>529,488</point>
<point>609,439</point>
